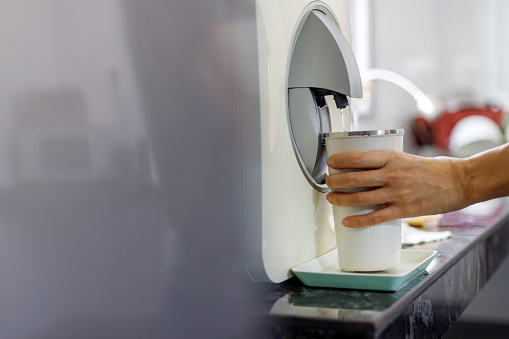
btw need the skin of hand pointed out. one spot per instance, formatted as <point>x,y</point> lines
<point>406,185</point>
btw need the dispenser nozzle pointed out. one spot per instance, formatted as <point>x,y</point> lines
<point>341,100</point>
<point>320,93</point>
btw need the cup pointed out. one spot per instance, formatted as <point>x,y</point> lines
<point>370,248</point>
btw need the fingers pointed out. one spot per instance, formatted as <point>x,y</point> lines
<point>383,171</point>
<point>370,219</point>
<point>366,198</point>
<point>358,160</point>
<point>386,211</point>
<point>355,179</point>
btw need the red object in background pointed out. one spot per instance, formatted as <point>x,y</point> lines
<point>422,132</point>
<point>442,126</point>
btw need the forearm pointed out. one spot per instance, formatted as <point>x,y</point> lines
<point>485,176</point>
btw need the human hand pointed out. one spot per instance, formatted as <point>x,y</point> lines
<point>404,185</point>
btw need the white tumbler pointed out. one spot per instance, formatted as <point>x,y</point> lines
<point>370,248</point>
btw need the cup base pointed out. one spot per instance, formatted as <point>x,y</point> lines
<point>367,270</point>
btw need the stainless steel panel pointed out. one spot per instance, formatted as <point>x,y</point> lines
<point>120,200</point>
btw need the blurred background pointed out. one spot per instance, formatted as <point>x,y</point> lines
<point>436,63</point>
<point>440,70</point>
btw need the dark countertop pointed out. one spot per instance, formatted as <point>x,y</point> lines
<point>426,307</point>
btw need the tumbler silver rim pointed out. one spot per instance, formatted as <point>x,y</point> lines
<point>379,132</point>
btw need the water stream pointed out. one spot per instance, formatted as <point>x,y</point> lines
<point>345,119</point>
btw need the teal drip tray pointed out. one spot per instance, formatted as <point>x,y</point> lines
<point>324,271</point>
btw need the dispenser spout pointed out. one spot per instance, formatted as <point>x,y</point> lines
<point>341,100</point>
<point>320,94</point>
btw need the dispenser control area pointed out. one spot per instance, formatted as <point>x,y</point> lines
<point>321,63</point>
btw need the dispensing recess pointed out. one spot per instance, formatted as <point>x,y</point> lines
<point>321,63</point>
